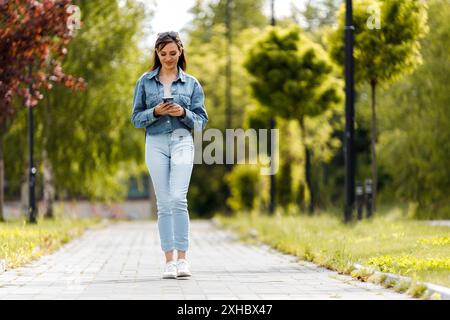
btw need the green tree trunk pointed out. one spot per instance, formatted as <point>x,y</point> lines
<point>309,180</point>
<point>48,185</point>
<point>308,169</point>
<point>49,189</point>
<point>24,189</point>
<point>373,84</point>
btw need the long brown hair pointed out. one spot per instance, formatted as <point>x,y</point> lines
<point>162,40</point>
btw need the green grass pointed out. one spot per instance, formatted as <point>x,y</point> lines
<point>388,243</point>
<point>21,243</point>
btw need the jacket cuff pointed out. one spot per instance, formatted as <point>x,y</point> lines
<point>184,114</point>
<point>151,115</point>
<point>187,117</point>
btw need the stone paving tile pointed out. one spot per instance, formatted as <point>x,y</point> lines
<point>124,261</point>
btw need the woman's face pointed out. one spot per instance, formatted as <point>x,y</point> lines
<point>169,55</point>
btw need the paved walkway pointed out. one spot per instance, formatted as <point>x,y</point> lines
<point>124,261</point>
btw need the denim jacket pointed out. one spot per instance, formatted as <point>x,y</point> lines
<point>186,91</point>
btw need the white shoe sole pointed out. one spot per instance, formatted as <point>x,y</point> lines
<point>183,275</point>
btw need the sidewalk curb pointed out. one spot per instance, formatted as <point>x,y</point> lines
<point>438,223</point>
<point>2,266</point>
<point>443,292</point>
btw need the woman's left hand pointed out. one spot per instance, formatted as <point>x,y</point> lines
<point>176,110</point>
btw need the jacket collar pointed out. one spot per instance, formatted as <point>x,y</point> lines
<point>155,73</point>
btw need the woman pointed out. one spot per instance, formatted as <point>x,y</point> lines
<point>169,145</point>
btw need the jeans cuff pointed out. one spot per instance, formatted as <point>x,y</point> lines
<point>167,248</point>
<point>182,248</point>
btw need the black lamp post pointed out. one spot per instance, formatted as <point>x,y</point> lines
<point>349,115</point>
<point>32,211</point>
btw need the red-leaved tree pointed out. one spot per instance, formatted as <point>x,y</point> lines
<point>33,33</point>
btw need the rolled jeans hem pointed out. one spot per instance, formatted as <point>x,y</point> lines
<point>167,249</point>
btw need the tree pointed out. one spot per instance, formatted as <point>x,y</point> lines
<point>316,13</point>
<point>415,134</point>
<point>87,146</point>
<point>246,14</point>
<point>205,48</point>
<point>382,54</point>
<point>110,64</point>
<point>294,79</point>
<point>33,37</point>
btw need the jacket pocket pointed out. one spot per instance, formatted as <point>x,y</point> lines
<point>185,101</point>
<point>152,101</point>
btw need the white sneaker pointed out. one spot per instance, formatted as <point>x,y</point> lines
<point>183,268</point>
<point>170,270</point>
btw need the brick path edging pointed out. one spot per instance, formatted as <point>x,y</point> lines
<point>443,292</point>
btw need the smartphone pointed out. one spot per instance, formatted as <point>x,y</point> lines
<point>167,99</point>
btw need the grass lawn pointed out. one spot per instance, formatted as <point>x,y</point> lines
<point>389,243</point>
<point>21,243</point>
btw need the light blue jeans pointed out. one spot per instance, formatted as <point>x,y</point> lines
<point>170,159</point>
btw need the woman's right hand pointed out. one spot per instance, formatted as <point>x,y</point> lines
<point>163,108</point>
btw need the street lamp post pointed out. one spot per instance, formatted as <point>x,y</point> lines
<point>32,211</point>
<point>349,115</point>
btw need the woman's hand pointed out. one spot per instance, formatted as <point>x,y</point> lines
<point>176,110</point>
<point>162,109</point>
<point>169,108</point>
